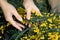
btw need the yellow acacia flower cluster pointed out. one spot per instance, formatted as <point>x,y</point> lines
<point>44,27</point>
<point>50,25</point>
<point>2,28</point>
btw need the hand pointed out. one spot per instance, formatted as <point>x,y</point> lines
<point>9,11</point>
<point>29,6</point>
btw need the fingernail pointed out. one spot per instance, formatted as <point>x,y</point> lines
<point>20,29</point>
<point>26,24</point>
<point>20,19</point>
<point>29,25</point>
<point>23,27</point>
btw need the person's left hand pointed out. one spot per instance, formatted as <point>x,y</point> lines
<point>29,6</point>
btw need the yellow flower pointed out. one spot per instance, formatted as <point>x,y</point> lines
<point>2,31</point>
<point>1,27</point>
<point>51,14</point>
<point>32,37</point>
<point>0,37</point>
<point>59,36</point>
<point>34,25</point>
<point>23,22</point>
<point>54,17</point>
<point>46,22</point>
<point>36,30</point>
<point>48,14</point>
<point>25,37</point>
<point>51,25</point>
<point>58,21</point>
<point>33,11</point>
<point>56,36</point>
<point>59,16</point>
<point>38,14</point>
<point>45,13</point>
<point>49,34</point>
<point>53,36</point>
<point>8,24</point>
<point>21,39</point>
<point>43,24</point>
<point>58,26</point>
<point>50,20</point>
<point>42,37</point>
<point>28,39</point>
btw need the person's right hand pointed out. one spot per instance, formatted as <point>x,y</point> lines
<point>9,10</point>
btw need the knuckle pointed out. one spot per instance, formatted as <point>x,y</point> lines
<point>7,19</point>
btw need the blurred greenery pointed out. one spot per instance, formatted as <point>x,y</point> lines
<point>7,32</point>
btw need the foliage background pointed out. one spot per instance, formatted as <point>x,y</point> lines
<point>7,32</point>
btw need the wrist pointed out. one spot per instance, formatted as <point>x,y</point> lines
<point>2,2</point>
<point>27,1</point>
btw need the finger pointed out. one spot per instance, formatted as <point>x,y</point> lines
<point>37,10</point>
<point>29,25</point>
<point>18,17</point>
<point>14,24</point>
<point>28,15</point>
<point>20,25</point>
